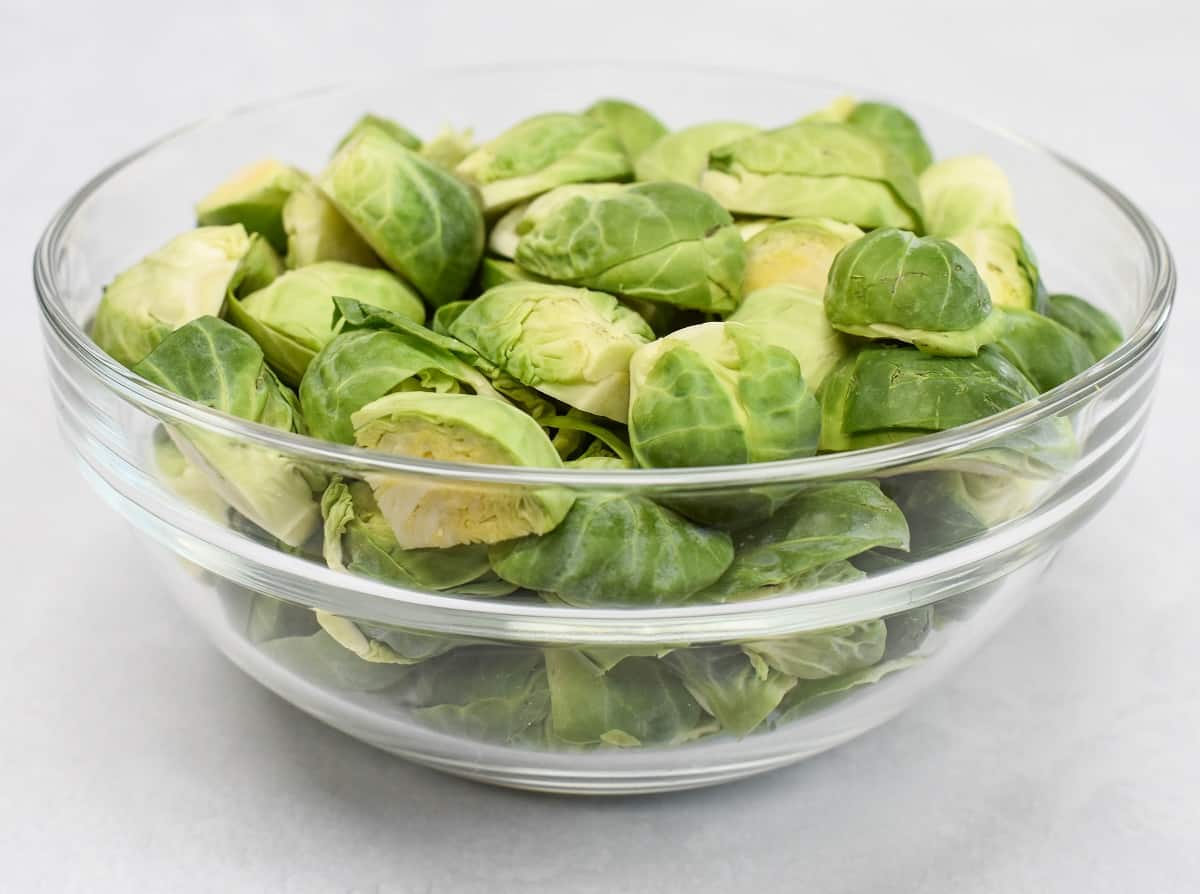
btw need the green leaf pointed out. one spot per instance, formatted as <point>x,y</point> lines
<point>726,684</point>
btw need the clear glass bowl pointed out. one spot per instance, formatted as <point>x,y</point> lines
<point>256,600</point>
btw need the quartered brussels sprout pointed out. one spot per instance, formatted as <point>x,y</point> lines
<point>806,542</point>
<point>661,242</point>
<point>885,394</point>
<point>1006,264</point>
<point>459,428</point>
<point>292,318</point>
<point>420,219</point>
<point>965,193</point>
<point>1047,352</point>
<point>187,278</point>
<point>541,153</point>
<point>795,252</point>
<point>793,318</point>
<point>1099,330</point>
<point>316,231</point>
<point>894,285</point>
<point>613,549</point>
<point>377,353</point>
<point>385,126</point>
<point>682,156</point>
<point>634,126</point>
<point>718,394</point>
<point>254,197</point>
<point>359,539</point>
<point>212,363</point>
<point>815,169</point>
<point>572,344</point>
<point>636,702</point>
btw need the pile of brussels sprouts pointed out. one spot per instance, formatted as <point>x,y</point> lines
<point>594,291</point>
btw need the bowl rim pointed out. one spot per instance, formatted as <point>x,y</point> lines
<point>168,406</point>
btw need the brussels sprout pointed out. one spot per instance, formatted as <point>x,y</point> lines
<point>1047,352</point>
<point>749,227</point>
<point>317,232</point>
<point>793,318</point>
<point>893,126</point>
<point>458,428</point>
<point>449,147</point>
<point>965,193</point>
<point>616,550</point>
<point>637,702</point>
<point>1099,330</point>
<point>445,316</point>
<point>892,284</point>
<point>1006,264</point>
<point>797,252</point>
<point>726,684</point>
<point>259,268</point>
<point>253,197</point>
<point>292,318</point>
<point>801,544</point>
<point>947,508</point>
<point>384,126</point>
<point>663,242</point>
<point>885,394</point>
<point>212,363</point>
<point>636,128</point>
<point>682,156</point>
<point>420,219</point>
<point>185,279</point>
<point>359,539</point>
<point>378,644</point>
<point>819,654</point>
<point>489,693</point>
<point>572,344</point>
<point>185,479</point>
<point>505,235</point>
<point>815,169</point>
<point>541,153</point>
<point>717,394</point>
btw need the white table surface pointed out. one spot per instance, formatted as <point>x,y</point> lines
<point>1065,757</point>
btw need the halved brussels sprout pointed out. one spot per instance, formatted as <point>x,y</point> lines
<point>1006,264</point>
<point>215,364</point>
<point>662,242</point>
<point>636,702</point>
<point>819,654</point>
<point>378,353</point>
<point>793,318</point>
<point>505,235</point>
<point>386,126</point>
<point>359,539</point>
<point>316,231</point>
<point>892,284</point>
<point>815,169</point>
<point>292,318</point>
<point>572,344</point>
<point>616,550</point>
<point>893,126</point>
<point>430,512</point>
<point>946,508</point>
<point>187,278</point>
<point>965,193</point>
<point>419,218</point>
<point>886,394</point>
<point>541,153</point>
<point>728,685</point>
<point>253,197</point>
<point>718,394</point>
<point>795,252</point>
<point>1047,352</point>
<point>635,127</point>
<point>682,156</point>
<point>1099,330</point>
<point>803,542</point>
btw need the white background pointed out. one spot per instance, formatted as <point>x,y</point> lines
<point>1065,758</point>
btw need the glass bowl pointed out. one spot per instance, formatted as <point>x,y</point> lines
<point>521,692</point>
